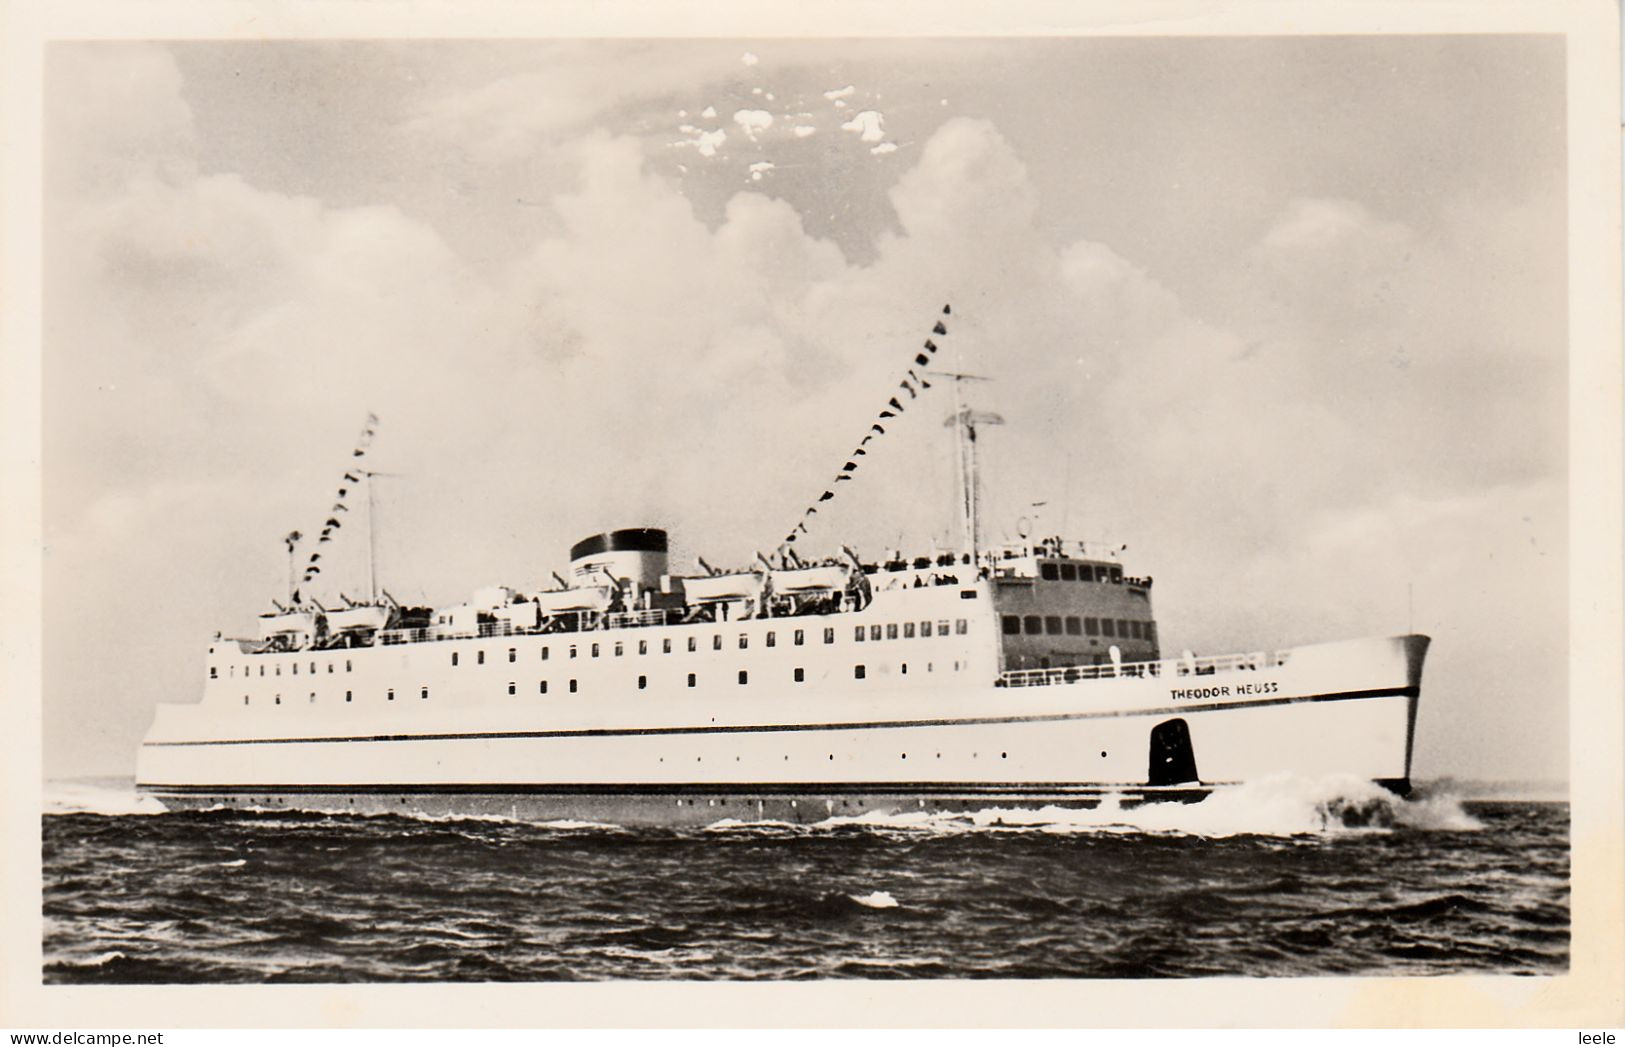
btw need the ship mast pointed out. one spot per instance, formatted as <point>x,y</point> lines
<point>372,537</point>
<point>964,421</point>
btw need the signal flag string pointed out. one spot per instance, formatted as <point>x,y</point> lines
<point>913,384</point>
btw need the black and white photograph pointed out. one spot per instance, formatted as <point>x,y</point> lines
<point>747,507</point>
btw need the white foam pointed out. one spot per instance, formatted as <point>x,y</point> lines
<point>804,130</point>
<point>1282,805</point>
<point>884,148</point>
<point>875,900</point>
<point>80,797</point>
<point>840,92</point>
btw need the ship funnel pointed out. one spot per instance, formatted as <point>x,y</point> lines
<point>637,554</point>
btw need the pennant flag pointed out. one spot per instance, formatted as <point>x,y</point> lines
<point>326,538</point>
<point>878,428</point>
<point>315,556</point>
<point>849,467</point>
<point>946,311</point>
<point>333,522</point>
<point>929,344</point>
<point>894,404</point>
<point>313,569</point>
<point>859,451</point>
<point>789,539</point>
<point>921,359</point>
<point>352,478</point>
<point>802,527</point>
<point>939,329</point>
<point>912,395</point>
<point>826,496</point>
<point>866,440</point>
<point>359,452</point>
<point>340,507</point>
<point>343,491</point>
<point>810,510</point>
<point>887,414</point>
<point>372,419</point>
<point>296,596</point>
<point>843,476</point>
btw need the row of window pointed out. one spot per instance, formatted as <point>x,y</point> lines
<point>889,631</point>
<point>214,671</point>
<point>799,675</point>
<point>906,630</point>
<point>1072,625</point>
<point>1082,572</point>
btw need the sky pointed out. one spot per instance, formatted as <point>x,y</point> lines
<point>1286,316</point>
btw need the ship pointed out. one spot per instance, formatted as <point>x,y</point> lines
<point>1013,675</point>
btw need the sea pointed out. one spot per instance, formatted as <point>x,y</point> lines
<point>1280,877</point>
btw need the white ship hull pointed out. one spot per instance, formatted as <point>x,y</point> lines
<point>786,752</point>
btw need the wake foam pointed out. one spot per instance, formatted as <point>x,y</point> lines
<point>1281,805</point>
<point>87,797</point>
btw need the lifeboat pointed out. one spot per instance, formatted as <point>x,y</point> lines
<point>826,578</point>
<point>719,588</point>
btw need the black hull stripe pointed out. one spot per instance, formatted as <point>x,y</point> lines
<point>616,732</point>
<point>1034,789</point>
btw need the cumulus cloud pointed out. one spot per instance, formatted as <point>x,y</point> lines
<point>868,125</point>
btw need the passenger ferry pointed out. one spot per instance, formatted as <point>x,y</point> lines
<point>1021,675</point>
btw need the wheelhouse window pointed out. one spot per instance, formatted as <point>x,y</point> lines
<point>942,627</point>
<point>643,646</point>
<point>859,634</point>
<point>874,632</point>
<point>1108,627</point>
<point>1134,629</point>
<point>891,630</point>
<point>744,641</point>
<point>1049,572</point>
<point>1074,625</point>
<point>961,627</point>
<point>479,657</point>
<point>512,689</point>
<point>513,655</point>
<point>1091,626</point>
<point>620,648</point>
<point>643,682</point>
<point>857,672</point>
<point>665,645</point>
<point>1012,625</point>
<point>771,638</point>
<point>572,686</point>
<point>691,679</point>
<point>542,687</point>
<point>595,650</point>
<point>1069,572</point>
<point>744,677</point>
<point>801,674</point>
<point>693,643</point>
<point>1052,624</point>
<point>829,634</point>
<point>800,637</point>
<point>1033,625</point>
<point>908,630</point>
<point>716,642</point>
<point>454,658</point>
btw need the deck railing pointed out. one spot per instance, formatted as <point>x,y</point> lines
<point>1169,667</point>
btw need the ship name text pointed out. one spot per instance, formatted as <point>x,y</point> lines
<point>1240,690</point>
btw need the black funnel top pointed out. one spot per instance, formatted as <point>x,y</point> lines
<point>629,539</point>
